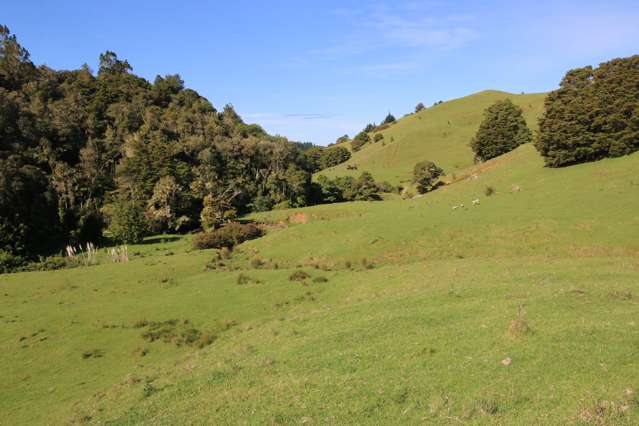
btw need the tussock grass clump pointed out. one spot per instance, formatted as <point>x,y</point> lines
<point>320,279</point>
<point>244,279</point>
<point>367,264</point>
<point>519,326</point>
<point>148,389</point>
<point>257,263</point>
<point>620,295</point>
<point>298,276</point>
<point>225,253</point>
<point>228,236</point>
<point>141,352</point>
<point>487,407</point>
<point>180,333</point>
<point>93,353</point>
<point>489,190</point>
<point>605,412</point>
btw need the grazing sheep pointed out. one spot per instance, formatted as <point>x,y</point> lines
<point>516,188</point>
<point>455,207</point>
<point>476,202</point>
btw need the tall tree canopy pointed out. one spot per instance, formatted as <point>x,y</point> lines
<point>502,130</point>
<point>594,114</point>
<point>80,152</point>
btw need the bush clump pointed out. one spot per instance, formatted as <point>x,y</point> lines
<point>593,115</point>
<point>228,236</point>
<point>9,262</point>
<point>426,176</point>
<point>502,130</point>
<point>298,276</point>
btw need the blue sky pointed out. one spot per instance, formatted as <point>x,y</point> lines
<point>314,70</point>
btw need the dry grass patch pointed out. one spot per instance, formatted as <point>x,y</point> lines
<point>519,326</point>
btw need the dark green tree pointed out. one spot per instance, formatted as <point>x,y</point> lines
<point>593,115</point>
<point>341,139</point>
<point>333,156</point>
<point>390,118</point>
<point>502,130</point>
<point>419,107</point>
<point>426,176</point>
<point>360,140</point>
<point>127,222</point>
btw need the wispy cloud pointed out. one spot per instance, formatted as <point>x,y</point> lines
<point>403,35</point>
<point>422,31</point>
<point>289,118</point>
<point>588,31</point>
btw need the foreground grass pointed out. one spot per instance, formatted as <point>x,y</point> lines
<point>409,323</point>
<point>422,342</point>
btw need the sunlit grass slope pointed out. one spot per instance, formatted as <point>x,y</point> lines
<point>409,323</point>
<point>440,133</point>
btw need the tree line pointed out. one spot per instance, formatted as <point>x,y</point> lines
<point>84,152</point>
<point>594,114</point>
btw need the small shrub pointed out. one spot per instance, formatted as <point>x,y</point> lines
<point>141,352</point>
<point>487,407</point>
<point>9,262</point>
<point>52,263</point>
<point>244,279</point>
<point>367,264</point>
<point>225,253</point>
<point>378,137</point>
<point>94,353</point>
<point>127,222</point>
<point>180,333</point>
<point>149,389</point>
<point>227,236</point>
<point>426,176</point>
<point>519,326</point>
<point>298,276</point>
<point>140,323</point>
<point>489,190</point>
<point>621,295</point>
<point>385,187</point>
<point>256,263</point>
<point>320,279</point>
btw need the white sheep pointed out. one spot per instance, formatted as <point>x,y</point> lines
<point>476,202</point>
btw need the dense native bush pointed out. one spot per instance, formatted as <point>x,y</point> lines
<point>426,176</point>
<point>127,223</point>
<point>348,188</point>
<point>228,236</point>
<point>593,115</point>
<point>73,141</point>
<point>502,130</point>
<point>331,157</point>
<point>360,140</point>
<point>9,262</point>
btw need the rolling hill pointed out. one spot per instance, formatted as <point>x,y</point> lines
<point>440,133</point>
<point>519,310</point>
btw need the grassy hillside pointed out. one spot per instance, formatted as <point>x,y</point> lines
<point>440,134</point>
<point>411,322</point>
